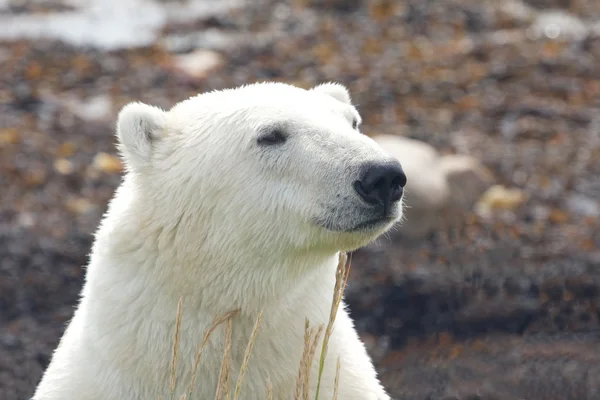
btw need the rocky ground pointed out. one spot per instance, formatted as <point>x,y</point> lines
<point>497,301</point>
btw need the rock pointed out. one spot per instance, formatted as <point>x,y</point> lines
<point>467,179</point>
<point>500,197</point>
<point>107,163</point>
<point>595,29</point>
<point>337,5</point>
<point>63,166</point>
<point>435,183</point>
<point>514,13</point>
<point>96,108</point>
<point>66,149</point>
<point>9,341</point>
<point>198,64</point>
<point>26,219</point>
<point>583,205</point>
<point>79,205</point>
<point>35,177</point>
<point>559,25</point>
<point>9,136</point>
<point>92,109</point>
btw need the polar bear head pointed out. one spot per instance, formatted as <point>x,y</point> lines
<point>269,167</point>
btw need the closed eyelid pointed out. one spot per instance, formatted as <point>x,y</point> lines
<point>277,126</point>
<point>352,115</point>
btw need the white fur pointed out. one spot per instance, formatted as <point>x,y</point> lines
<point>207,214</point>
<point>139,126</point>
<point>335,90</point>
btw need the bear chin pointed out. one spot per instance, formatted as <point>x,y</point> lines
<point>367,225</point>
<point>359,235</point>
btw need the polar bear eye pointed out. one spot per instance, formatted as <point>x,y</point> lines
<point>354,123</point>
<point>276,136</point>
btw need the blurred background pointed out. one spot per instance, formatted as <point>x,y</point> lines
<point>491,288</point>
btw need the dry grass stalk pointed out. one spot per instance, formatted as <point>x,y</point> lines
<point>223,384</point>
<point>311,339</point>
<point>244,367</point>
<point>309,361</point>
<point>218,321</point>
<point>176,347</point>
<point>336,382</point>
<point>300,379</point>
<point>269,390</point>
<point>341,280</point>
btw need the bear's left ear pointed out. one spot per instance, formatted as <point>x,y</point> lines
<point>139,127</point>
<point>335,90</point>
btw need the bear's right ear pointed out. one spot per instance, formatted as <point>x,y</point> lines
<point>139,126</point>
<point>335,90</point>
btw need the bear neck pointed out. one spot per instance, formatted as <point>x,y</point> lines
<point>213,273</point>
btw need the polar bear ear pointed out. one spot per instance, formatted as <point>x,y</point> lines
<point>335,90</point>
<point>139,127</point>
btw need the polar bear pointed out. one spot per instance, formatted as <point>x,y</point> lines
<point>234,199</point>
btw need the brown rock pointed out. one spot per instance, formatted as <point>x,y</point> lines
<point>467,179</point>
<point>9,136</point>
<point>500,197</point>
<point>66,149</point>
<point>107,163</point>
<point>79,205</point>
<point>63,166</point>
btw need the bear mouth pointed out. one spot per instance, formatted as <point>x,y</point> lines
<point>368,224</point>
<point>371,224</point>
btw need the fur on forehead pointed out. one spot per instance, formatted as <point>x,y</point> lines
<point>141,126</point>
<point>335,90</point>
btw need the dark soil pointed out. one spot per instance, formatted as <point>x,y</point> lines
<point>504,306</point>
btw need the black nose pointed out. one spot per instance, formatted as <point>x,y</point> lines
<point>381,183</point>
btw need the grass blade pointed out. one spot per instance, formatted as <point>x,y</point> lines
<point>300,378</point>
<point>175,356</point>
<point>341,280</point>
<point>336,382</point>
<point>223,384</point>
<point>218,321</point>
<point>240,379</point>
<point>269,390</point>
